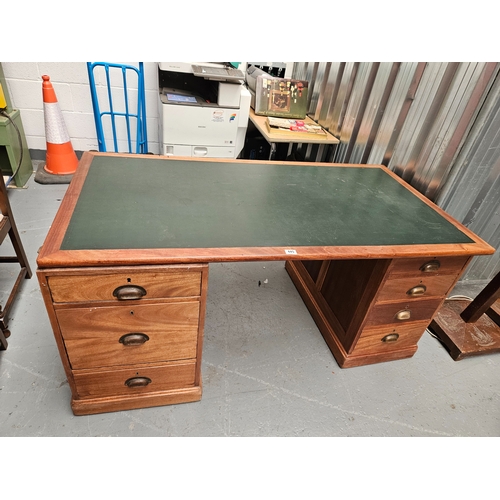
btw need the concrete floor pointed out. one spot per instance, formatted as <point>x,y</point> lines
<point>266,368</point>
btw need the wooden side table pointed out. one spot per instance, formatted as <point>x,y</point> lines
<point>277,138</point>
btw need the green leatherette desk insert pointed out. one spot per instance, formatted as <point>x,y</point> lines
<point>372,258</point>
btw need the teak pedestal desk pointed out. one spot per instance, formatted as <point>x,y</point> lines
<point>124,268</point>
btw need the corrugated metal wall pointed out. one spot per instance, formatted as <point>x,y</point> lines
<point>434,124</point>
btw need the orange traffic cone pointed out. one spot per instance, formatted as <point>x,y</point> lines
<point>61,158</point>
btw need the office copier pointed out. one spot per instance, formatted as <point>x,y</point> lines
<point>203,109</point>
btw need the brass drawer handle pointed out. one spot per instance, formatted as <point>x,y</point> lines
<point>134,339</point>
<point>392,337</point>
<point>431,266</point>
<point>138,382</point>
<point>129,292</point>
<point>417,291</point>
<point>402,315</point>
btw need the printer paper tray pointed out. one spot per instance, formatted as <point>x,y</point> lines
<point>198,151</point>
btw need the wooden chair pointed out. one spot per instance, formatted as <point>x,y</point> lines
<point>8,227</point>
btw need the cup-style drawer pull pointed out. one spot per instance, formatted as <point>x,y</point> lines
<point>134,339</point>
<point>416,291</point>
<point>392,337</point>
<point>404,314</point>
<point>129,292</point>
<point>138,382</point>
<point>431,266</point>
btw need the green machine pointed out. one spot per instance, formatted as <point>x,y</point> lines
<point>15,160</point>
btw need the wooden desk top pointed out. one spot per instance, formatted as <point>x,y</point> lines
<point>144,209</point>
<point>260,122</point>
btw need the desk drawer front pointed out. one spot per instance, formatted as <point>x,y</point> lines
<point>386,338</point>
<point>118,335</point>
<point>134,380</point>
<point>125,286</point>
<point>398,313</point>
<point>406,288</point>
<point>427,266</point>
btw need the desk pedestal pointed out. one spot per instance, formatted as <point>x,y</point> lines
<point>371,311</point>
<point>128,337</point>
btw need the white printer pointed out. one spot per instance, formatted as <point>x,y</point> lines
<point>203,109</point>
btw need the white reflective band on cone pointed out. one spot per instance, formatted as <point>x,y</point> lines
<point>55,128</point>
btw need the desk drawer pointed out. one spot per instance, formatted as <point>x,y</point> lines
<point>397,313</point>
<point>413,288</point>
<point>380,339</point>
<point>427,266</point>
<point>134,380</point>
<point>120,335</point>
<point>128,285</point>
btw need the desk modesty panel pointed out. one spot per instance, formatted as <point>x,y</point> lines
<point>124,268</point>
